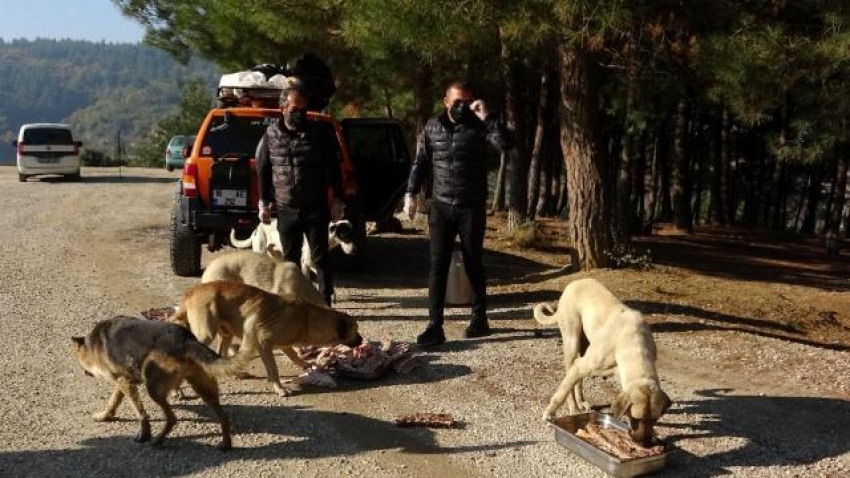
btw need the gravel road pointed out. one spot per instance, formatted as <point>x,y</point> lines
<point>76,253</point>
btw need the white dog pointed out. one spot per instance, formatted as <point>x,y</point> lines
<point>601,335</point>
<point>266,239</point>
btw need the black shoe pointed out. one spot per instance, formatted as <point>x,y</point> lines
<point>477,328</point>
<point>431,337</point>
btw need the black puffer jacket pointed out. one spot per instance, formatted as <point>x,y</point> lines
<point>457,155</point>
<point>297,167</point>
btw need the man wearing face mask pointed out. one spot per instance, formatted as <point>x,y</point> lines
<point>453,146</point>
<point>297,160</point>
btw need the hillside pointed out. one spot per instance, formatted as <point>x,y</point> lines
<point>99,88</point>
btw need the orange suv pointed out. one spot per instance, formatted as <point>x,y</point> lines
<point>218,189</point>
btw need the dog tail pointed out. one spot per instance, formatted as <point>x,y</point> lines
<point>213,363</point>
<point>545,314</point>
<point>246,244</point>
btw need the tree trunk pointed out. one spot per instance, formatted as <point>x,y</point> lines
<point>833,223</point>
<point>584,158</point>
<point>718,212</point>
<point>812,200</point>
<point>651,190</point>
<point>680,179</point>
<point>639,185</point>
<point>663,153</point>
<point>534,168</point>
<point>518,157</point>
<point>777,219</point>
<point>547,170</point>
<point>423,108</point>
<point>499,190</point>
<point>728,216</point>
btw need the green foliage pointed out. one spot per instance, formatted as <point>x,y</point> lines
<point>194,104</point>
<point>98,88</point>
<point>626,256</point>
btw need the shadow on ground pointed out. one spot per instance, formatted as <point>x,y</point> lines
<point>296,433</point>
<point>748,325</point>
<point>753,256</point>
<point>774,431</point>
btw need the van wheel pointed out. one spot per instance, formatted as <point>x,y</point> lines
<point>185,247</point>
<point>169,168</point>
<point>22,178</point>
<point>74,177</point>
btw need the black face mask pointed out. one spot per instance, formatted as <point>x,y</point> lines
<point>460,111</point>
<point>296,119</point>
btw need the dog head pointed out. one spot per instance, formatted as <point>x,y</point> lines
<point>643,405</point>
<point>346,327</point>
<point>82,352</point>
<point>343,234</point>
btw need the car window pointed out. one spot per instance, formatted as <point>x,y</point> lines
<point>373,144</point>
<point>47,136</point>
<point>178,141</point>
<point>239,135</point>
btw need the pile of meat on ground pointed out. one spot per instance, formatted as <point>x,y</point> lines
<point>617,442</point>
<point>368,361</point>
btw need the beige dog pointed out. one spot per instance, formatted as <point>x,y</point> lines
<point>264,321</point>
<point>260,270</point>
<point>600,335</point>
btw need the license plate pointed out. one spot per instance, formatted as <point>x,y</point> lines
<point>230,197</point>
<point>48,160</point>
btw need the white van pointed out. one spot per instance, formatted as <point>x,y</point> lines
<point>47,148</point>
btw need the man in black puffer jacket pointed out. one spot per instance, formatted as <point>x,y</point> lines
<point>453,146</point>
<point>297,160</point>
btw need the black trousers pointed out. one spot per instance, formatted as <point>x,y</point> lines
<point>294,225</point>
<point>445,223</point>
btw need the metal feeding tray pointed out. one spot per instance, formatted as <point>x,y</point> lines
<point>565,434</point>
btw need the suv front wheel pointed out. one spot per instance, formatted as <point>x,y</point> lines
<point>185,247</point>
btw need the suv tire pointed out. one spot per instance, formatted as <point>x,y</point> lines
<point>169,168</point>
<point>185,247</point>
<point>22,178</point>
<point>74,177</point>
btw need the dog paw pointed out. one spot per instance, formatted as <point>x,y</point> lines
<point>584,407</point>
<point>102,417</point>
<point>224,445</point>
<point>283,391</point>
<point>548,416</point>
<point>143,435</point>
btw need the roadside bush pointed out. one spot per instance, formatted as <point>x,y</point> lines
<point>526,236</point>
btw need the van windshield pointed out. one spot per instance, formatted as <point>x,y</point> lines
<point>47,136</point>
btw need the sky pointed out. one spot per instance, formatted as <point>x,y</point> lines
<point>92,20</point>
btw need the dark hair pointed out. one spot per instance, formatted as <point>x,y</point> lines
<point>460,85</point>
<point>294,87</point>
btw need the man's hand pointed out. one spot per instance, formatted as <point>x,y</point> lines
<point>337,210</point>
<point>409,206</point>
<point>480,109</point>
<point>265,214</point>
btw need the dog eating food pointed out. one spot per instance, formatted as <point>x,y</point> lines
<point>617,442</point>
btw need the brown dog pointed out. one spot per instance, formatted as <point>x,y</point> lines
<point>600,334</point>
<point>264,321</point>
<point>127,352</point>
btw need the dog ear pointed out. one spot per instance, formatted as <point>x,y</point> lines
<point>79,341</point>
<point>332,228</point>
<point>621,406</point>
<point>666,403</point>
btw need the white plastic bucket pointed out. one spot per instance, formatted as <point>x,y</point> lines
<point>458,287</point>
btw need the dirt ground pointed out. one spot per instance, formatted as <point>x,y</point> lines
<point>753,332</point>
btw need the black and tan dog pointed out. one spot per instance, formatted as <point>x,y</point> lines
<point>264,321</point>
<point>128,352</point>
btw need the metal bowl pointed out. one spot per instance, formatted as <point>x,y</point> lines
<point>565,434</point>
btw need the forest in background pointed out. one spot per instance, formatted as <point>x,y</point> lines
<point>113,95</point>
<point>628,114</point>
